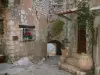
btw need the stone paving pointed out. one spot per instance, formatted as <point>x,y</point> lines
<point>49,67</point>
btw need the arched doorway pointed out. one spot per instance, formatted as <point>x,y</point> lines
<point>57,47</point>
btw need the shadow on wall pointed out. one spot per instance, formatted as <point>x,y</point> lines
<point>57,46</point>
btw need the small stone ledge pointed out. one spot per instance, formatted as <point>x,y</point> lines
<point>71,69</point>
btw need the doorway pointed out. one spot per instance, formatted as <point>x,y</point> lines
<point>56,47</point>
<point>51,49</point>
<point>81,40</point>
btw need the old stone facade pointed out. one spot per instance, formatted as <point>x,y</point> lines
<point>72,33</point>
<point>17,18</point>
<point>56,6</point>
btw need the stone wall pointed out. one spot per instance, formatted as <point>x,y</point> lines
<point>72,33</point>
<point>22,14</point>
<point>96,51</point>
<point>95,3</point>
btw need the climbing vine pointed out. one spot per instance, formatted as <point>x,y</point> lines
<point>85,18</point>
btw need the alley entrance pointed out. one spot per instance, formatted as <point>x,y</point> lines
<point>51,49</point>
<point>54,48</point>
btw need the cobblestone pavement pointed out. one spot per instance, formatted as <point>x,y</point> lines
<point>47,68</point>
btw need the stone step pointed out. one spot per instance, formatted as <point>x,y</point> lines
<point>71,68</point>
<point>72,61</point>
<point>76,55</point>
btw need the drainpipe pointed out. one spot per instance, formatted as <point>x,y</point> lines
<point>66,26</point>
<point>65,8</point>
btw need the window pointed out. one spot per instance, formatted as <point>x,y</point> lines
<point>27,33</point>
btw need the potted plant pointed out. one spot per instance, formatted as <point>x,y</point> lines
<point>63,47</point>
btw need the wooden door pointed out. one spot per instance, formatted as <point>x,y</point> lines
<point>81,41</point>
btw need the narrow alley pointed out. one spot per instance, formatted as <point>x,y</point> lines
<point>49,37</point>
<point>47,67</point>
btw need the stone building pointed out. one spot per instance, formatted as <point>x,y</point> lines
<point>54,7</point>
<point>73,33</point>
<point>22,31</point>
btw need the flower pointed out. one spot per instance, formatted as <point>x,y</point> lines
<point>27,33</point>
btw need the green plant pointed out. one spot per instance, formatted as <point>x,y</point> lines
<point>57,27</point>
<point>6,58</point>
<point>85,17</point>
<point>64,42</point>
<point>5,3</point>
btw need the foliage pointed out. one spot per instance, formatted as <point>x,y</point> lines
<point>6,58</point>
<point>85,19</point>
<point>57,27</point>
<point>5,3</point>
<point>64,42</point>
<point>85,16</point>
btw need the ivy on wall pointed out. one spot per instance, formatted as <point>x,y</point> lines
<point>85,16</point>
<point>86,19</point>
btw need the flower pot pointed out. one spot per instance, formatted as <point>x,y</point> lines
<point>64,52</point>
<point>85,62</point>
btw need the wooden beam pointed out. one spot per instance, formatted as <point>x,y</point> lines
<point>26,26</point>
<point>75,9</point>
<point>64,17</point>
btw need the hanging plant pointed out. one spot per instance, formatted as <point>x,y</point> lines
<point>57,27</point>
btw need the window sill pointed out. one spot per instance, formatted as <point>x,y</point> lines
<point>28,40</point>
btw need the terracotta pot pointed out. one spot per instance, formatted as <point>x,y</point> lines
<point>85,62</point>
<point>64,52</point>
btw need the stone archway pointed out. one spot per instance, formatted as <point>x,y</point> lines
<point>58,46</point>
